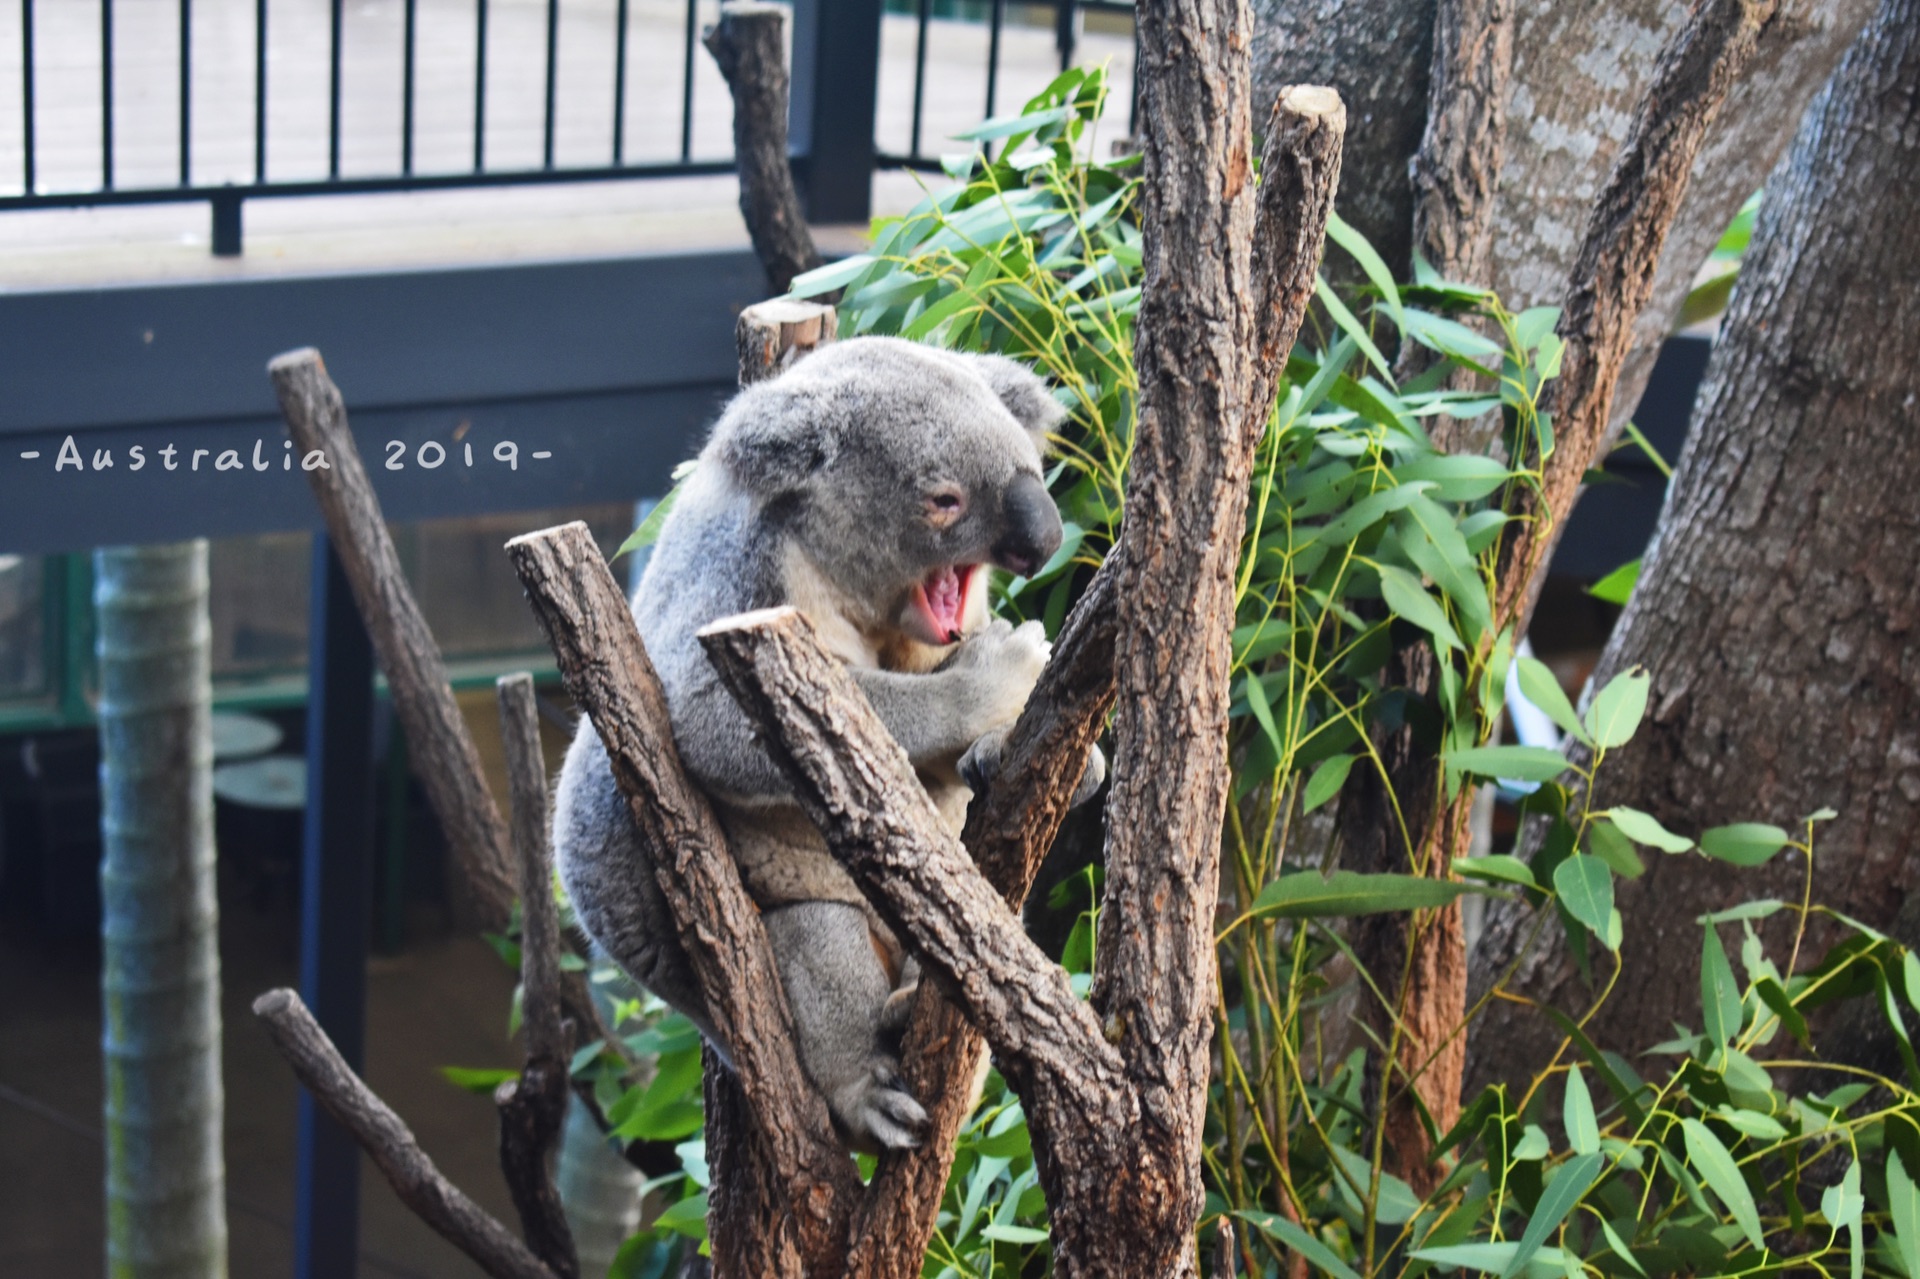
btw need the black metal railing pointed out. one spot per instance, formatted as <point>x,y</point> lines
<point>1067,16</point>
<point>836,55</point>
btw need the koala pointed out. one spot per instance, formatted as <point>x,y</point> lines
<point>873,486</point>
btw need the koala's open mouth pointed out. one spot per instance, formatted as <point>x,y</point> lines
<point>940,601</point>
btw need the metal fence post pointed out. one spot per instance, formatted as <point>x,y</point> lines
<point>335,891</point>
<point>836,78</point>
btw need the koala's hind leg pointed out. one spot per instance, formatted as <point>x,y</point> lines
<point>837,989</point>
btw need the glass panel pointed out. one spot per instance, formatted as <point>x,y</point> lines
<point>460,576</point>
<point>466,587</point>
<point>258,601</point>
<point>23,630</point>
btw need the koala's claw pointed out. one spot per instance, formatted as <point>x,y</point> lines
<point>881,1113</point>
<point>1092,777</point>
<point>981,764</point>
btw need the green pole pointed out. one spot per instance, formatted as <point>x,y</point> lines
<point>160,962</point>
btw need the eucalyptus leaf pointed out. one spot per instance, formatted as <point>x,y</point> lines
<point>1309,895</point>
<point>1542,688</point>
<point>1325,782</point>
<point>1301,1242</point>
<point>1516,763</point>
<point>1719,991</point>
<point>1585,887</point>
<point>1642,829</point>
<point>1569,1185</point>
<point>1743,843</point>
<point>1617,709</point>
<point>1583,1127</point>
<point>1717,1168</point>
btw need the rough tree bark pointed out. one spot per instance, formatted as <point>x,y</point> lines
<point>383,1135</point>
<point>1607,290</point>
<point>534,1107</point>
<point>805,1184</point>
<point>1455,178</point>
<point>1777,609</point>
<point>159,952</point>
<point>445,759</point>
<point>1114,1089</point>
<point>1579,68</point>
<point>749,45</point>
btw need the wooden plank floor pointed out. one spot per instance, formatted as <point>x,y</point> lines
<point>57,248</point>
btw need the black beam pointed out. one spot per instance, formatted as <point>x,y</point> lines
<point>336,884</point>
<point>836,78</point>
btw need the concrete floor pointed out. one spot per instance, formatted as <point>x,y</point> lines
<point>440,1002</point>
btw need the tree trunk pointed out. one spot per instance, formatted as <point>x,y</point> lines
<point>160,958</point>
<point>1579,68</point>
<point>1777,607</point>
<point>599,1189</point>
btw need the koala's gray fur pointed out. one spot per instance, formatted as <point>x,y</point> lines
<point>852,487</point>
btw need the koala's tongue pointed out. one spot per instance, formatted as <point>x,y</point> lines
<point>943,596</point>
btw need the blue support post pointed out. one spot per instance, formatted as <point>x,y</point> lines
<point>336,885</point>
<point>836,78</point>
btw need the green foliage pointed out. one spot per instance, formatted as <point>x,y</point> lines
<point>1364,543</point>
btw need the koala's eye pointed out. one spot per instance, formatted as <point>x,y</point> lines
<point>945,507</point>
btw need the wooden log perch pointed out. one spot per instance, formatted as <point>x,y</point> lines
<point>770,336</point>
<point>442,749</point>
<point>533,1108</point>
<point>382,1134</point>
<point>749,44</point>
<point>600,654</point>
<point>444,756</point>
<point>1613,273</point>
<point>858,787</point>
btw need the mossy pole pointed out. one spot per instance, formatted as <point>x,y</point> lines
<point>160,961</point>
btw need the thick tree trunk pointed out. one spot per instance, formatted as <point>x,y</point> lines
<point>1579,68</point>
<point>159,953</point>
<point>1777,608</point>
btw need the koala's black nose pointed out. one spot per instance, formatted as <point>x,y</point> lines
<point>1030,529</point>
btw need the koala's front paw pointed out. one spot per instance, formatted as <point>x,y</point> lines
<point>877,1112</point>
<point>981,764</point>
<point>1000,665</point>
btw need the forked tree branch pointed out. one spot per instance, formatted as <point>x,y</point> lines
<point>390,1143</point>
<point>446,761</point>
<point>1009,830</point>
<point>598,648</point>
<point>533,1108</point>
<point>1613,273</point>
<point>748,44</point>
<point>445,758</point>
<point>857,785</point>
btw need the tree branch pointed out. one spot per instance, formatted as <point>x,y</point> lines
<point>586,621</point>
<point>389,1142</point>
<point>749,45</point>
<point>859,788</point>
<point>770,336</point>
<point>1613,273</point>
<point>448,766</point>
<point>445,758</point>
<point>533,1108</point>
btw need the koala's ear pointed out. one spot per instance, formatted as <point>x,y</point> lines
<point>1023,391</point>
<point>773,440</point>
